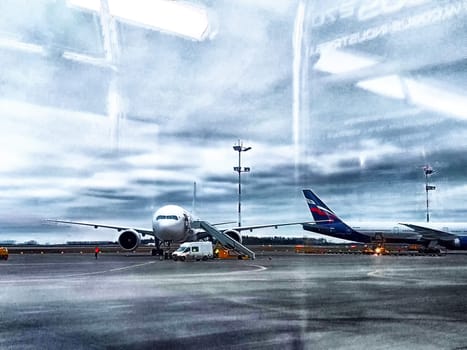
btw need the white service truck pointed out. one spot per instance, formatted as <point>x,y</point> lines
<point>193,251</point>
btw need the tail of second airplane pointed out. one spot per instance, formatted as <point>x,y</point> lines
<point>320,211</point>
<point>327,223</point>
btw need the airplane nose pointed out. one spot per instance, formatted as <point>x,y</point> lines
<point>166,229</point>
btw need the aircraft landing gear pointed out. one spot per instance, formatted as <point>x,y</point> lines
<point>166,250</point>
<point>433,248</point>
<point>157,251</point>
<point>162,250</point>
<point>431,251</point>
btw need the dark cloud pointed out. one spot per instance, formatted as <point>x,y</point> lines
<point>186,103</point>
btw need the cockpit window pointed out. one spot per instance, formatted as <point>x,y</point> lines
<point>167,217</point>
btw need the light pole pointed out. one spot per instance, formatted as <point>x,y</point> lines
<point>239,148</point>
<point>428,170</point>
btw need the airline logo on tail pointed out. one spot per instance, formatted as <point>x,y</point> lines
<point>326,222</point>
<point>321,213</point>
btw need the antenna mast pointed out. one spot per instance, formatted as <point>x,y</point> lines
<point>193,205</point>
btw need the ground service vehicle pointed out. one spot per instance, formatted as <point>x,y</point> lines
<point>193,251</point>
<point>3,253</point>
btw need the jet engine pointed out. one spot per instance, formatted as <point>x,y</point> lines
<point>129,239</point>
<point>234,235</point>
<point>460,242</point>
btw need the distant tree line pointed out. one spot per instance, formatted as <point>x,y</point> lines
<point>247,240</point>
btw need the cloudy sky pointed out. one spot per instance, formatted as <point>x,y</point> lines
<point>351,100</point>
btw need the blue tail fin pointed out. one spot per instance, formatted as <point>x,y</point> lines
<point>320,211</point>
<point>327,223</point>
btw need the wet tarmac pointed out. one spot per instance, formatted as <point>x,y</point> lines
<point>73,301</point>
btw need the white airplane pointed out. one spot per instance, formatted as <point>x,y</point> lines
<point>430,235</point>
<point>170,224</point>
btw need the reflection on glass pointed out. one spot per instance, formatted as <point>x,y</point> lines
<point>379,85</point>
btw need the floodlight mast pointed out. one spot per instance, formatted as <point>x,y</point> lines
<point>240,148</point>
<point>428,170</point>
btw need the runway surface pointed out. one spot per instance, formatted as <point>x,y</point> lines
<point>290,301</point>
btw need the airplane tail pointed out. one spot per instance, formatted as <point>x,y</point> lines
<point>326,222</point>
<point>320,211</point>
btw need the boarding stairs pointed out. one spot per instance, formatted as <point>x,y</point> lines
<point>222,238</point>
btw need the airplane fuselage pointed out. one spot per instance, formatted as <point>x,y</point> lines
<point>365,232</point>
<point>450,235</point>
<point>392,232</point>
<point>172,223</point>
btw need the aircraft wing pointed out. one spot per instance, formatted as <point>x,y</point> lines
<point>430,233</point>
<point>254,227</point>
<point>118,228</point>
